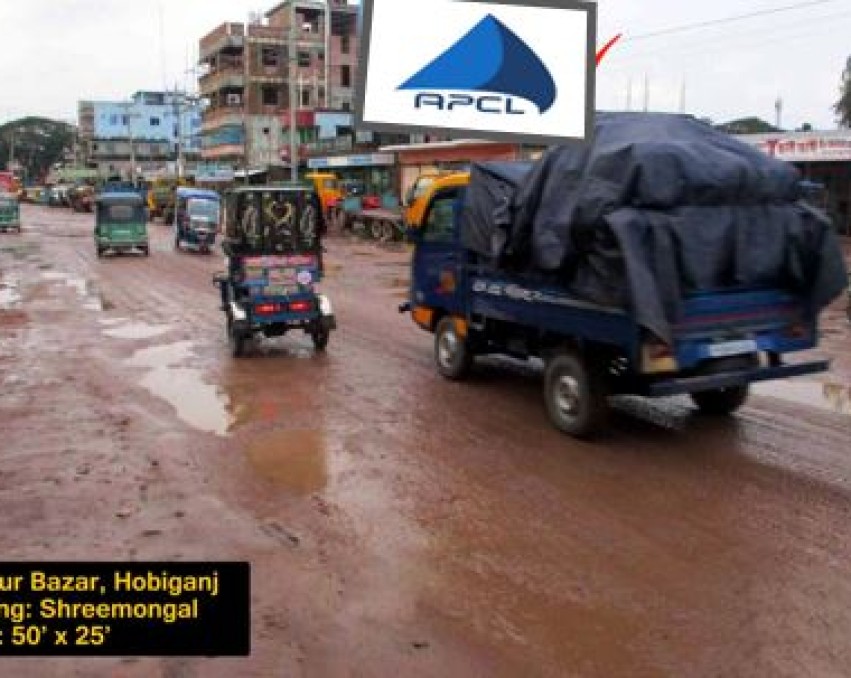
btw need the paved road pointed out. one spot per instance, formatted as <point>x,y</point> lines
<point>398,524</point>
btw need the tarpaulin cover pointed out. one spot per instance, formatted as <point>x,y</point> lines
<point>657,206</point>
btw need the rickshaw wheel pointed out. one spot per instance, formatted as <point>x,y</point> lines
<point>237,341</point>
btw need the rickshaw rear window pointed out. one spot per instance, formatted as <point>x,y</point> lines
<point>120,212</point>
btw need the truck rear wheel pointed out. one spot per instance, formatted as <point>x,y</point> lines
<point>451,352</point>
<point>575,395</point>
<point>720,401</point>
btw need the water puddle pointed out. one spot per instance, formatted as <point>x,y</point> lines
<point>137,331</point>
<point>293,459</point>
<point>824,396</point>
<point>85,289</point>
<point>9,295</point>
<point>197,403</point>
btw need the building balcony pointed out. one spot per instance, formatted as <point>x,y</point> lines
<point>227,37</point>
<point>325,146</point>
<point>231,77</point>
<point>267,35</point>
<point>224,115</point>
<point>222,152</point>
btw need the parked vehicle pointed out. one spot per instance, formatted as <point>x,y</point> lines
<point>328,188</point>
<point>82,198</point>
<point>10,212</point>
<point>121,223</point>
<point>274,252</point>
<point>196,218</point>
<point>723,339</point>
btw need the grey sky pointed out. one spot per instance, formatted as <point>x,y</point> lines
<point>56,52</point>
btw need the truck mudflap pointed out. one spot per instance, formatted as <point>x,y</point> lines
<point>710,382</point>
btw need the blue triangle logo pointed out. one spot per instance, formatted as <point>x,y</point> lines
<point>489,58</point>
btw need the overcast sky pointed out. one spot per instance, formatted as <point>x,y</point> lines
<point>56,52</point>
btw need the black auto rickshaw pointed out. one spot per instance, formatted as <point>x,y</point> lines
<point>273,245</point>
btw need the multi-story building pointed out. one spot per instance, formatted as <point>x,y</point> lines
<point>155,131</point>
<point>252,68</point>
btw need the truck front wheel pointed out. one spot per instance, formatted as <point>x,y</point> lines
<point>720,401</point>
<point>451,352</point>
<point>575,395</point>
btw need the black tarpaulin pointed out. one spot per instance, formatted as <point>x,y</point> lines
<point>655,207</point>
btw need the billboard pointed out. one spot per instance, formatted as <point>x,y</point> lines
<point>513,70</point>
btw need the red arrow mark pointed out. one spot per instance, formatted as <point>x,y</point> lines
<point>607,47</point>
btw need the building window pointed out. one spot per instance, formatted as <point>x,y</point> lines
<point>305,97</point>
<point>346,106</point>
<point>303,58</point>
<point>269,57</point>
<point>344,44</point>
<point>345,76</point>
<point>155,122</point>
<point>270,96</point>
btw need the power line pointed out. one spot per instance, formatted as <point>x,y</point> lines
<point>730,41</point>
<point>726,20</point>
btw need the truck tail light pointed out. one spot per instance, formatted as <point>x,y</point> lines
<point>300,306</point>
<point>267,309</point>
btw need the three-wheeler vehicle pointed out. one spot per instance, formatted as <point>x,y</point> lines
<point>273,248</point>
<point>10,212</point>
<point>196,218</point>
<point>121,223</point>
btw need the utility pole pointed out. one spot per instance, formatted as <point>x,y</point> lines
<point>293,52</point>
<point>246,71</point>
<point>629,94</point>
<point>646,93</point>
<point>327,59</point>
<point>683,96</point>
<point>130,118</point>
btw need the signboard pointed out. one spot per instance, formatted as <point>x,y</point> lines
<point>213,174</point>
<point>804,148</point>
<point>365,160</point>
<point>520,71</point>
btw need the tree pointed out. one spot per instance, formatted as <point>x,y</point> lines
<point>38,144</point>
<point>751,125</point>
<point>842,108</point>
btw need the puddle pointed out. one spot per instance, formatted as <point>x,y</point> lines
<point>293,459</point>
<point>824,396</point>
<point>137,331</point>
<point>197,403</point>
<point>9,295</point>
<point>52,275</point>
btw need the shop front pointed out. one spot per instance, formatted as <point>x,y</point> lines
<point>417,159</point>
<point>823,158</point>
<point>370,173</point>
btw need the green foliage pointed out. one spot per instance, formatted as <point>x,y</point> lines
<point>751,125</point>
<point>842,108</point>
<point>38,142</point>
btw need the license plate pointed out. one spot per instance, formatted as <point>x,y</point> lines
<point>729,348</point>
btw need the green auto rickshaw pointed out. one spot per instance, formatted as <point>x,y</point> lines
<point>10,212</point>
<point>121,223</point>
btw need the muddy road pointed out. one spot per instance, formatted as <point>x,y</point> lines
<point>398,524</point>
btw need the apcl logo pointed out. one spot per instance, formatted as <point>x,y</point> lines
<point>487,70</point>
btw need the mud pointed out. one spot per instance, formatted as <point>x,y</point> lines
<point>398,523</point>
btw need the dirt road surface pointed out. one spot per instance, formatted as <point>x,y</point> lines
<point>398,524</point>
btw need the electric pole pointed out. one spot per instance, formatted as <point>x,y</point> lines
<point>293,52</point>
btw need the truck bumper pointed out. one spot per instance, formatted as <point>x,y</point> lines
<point>710,382</point>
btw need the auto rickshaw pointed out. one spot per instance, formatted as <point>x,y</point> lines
<point>10,212</point>
<point>121,223</point>
<point>196,218</point>
<point>273,245</point>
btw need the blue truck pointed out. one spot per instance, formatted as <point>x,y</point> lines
<point>721,341</point>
